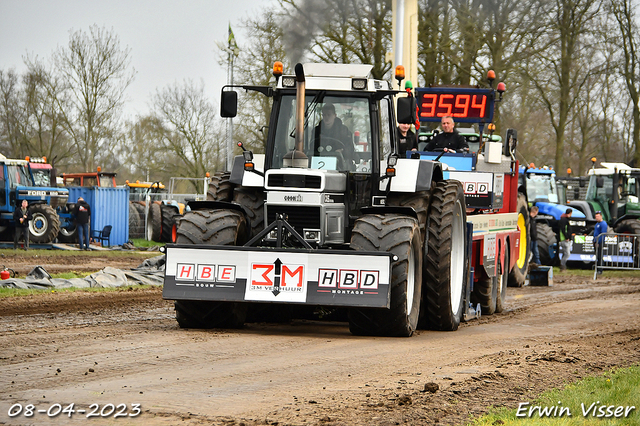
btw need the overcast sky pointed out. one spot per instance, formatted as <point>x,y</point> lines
<point>170,40</point>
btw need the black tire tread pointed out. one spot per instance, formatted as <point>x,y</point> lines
<point>53,223</point>
<point>220,189</point>
<point>213,227</point>
<point>437,298</point>
<point>395,234</point>
<point>546,238</point>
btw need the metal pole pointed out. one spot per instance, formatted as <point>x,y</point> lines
<point>397,49</point>
<point>229,159</point>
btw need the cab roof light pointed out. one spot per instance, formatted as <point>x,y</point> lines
<point>399,74</point>
<point>358,83</point>
<point>277,70</point>
<point>288,81</point>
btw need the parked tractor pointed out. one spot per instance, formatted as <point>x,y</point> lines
<point>540,187</point>
<point>16,184</point>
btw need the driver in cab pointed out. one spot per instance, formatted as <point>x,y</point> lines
<point>449,140</point>
<point>331,135</point>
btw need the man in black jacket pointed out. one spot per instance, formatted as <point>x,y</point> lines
<point>449,140</point>
<point>82,213</point>
<point>22,216</point>
<point>565,238</point>
<point>332,136</point>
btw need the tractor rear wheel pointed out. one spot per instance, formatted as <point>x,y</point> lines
<point>502,282</point>
<point>253,202</point>
<point>170,215</point>
<point>154,223</point>
<point>399,235</point>
<point>44,225</point>
<point>518,274</point>
<point>220,189</point>
<point>419,201</point>
<point>135,226</point>
<point>628,226</point>
<point>485,292</point>
<point>547,243</point>
<point>445,262</point>
<point>212,227</point>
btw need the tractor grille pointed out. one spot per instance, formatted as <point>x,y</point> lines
<point>299,217</point>
<point>294,181</point>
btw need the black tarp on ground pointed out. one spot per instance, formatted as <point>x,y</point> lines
<point>150,272</point>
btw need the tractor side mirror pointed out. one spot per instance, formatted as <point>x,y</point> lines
<point>229,104</point>
<point>511,142</point>
<point>599,182</point>
<point>406,108</point>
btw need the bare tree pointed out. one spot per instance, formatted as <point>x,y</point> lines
<point>97,72</point>
<point>12,114</point>
<point>558,74</point>
<point>625,15</point>
<point>44,93</point>
<point>188,129</point>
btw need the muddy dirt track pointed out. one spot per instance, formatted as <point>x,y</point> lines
<point>126,348</point>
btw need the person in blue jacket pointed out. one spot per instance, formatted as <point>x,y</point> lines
<point>598,237</point>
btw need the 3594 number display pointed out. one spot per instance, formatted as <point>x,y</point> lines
<point>467,105</point>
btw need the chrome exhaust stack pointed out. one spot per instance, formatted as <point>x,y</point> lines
<point>297,157</point>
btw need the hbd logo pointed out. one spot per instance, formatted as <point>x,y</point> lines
<point>348,279</point>
<point>476,188</point>
<point>205,272</point>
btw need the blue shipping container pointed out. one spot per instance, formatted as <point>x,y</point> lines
<point>109,206</point>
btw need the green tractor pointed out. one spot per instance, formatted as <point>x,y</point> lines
<point>614,189</point>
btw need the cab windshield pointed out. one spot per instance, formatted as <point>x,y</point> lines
<point>542,188</point>
<point>18,175</point>
<point>337,132</point>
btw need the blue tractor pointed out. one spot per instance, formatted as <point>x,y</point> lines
<point>539,186</point>
<point>16,184</point>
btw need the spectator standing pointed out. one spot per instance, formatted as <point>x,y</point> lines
<point>533,232</point>
<point>82,213</point>
<point>22,216</point>
<point>600,229</point>
<point>565,238</point>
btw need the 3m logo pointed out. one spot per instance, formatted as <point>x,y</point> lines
<point>348,279</point>
<point>205,272</point>
<point>277,277</point>
<point>476,188</point>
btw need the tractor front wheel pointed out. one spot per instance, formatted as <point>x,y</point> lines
<point>399,235</point>
<point>45,223</point>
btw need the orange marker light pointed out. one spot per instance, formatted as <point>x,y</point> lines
<point>277,68</point>
<point>399,72</point>
<point>491,75</point>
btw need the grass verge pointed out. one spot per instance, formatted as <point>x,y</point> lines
<point>607,399</point>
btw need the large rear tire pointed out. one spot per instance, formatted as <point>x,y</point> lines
<point>154,223</point>
<point>628,226</point>
<point>213,227</point>
<point>445,260</point>
<point>44,225</point>
<point>547,242</point>
<point>136,228</point>
<point>485,292</point>
<point>220,189</point>
<point>419,201</point>
<point>502,282</point>
<point>399,235</point>
<point>170,215</point>
<point>518,274</point>
<point>253,202</point>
